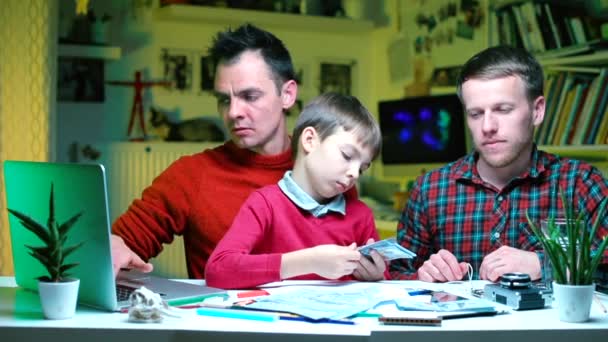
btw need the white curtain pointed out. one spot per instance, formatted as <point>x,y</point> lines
<point>28,55</point>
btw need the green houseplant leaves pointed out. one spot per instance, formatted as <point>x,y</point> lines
<point>52,255</point>
<point>573,263</point>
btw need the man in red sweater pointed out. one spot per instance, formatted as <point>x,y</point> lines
<point>304,227</point>
<point>198,196</point>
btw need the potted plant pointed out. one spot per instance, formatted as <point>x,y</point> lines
<point>568,246</point>
<point>58,292</point>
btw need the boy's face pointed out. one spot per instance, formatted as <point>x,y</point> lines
<point>332,166</point>
<point>501,120</point>
<point>251,106</point>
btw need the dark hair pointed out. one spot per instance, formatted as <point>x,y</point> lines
<point>228,46</point>
<point>330,111</point>
<point>502,61</point>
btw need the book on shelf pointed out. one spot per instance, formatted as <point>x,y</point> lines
<point>596,110</point>
<point>530,21</point>
<point>550,99</point>
<point>549,36</point>
<point>553,99</point>
<point>595,122</point>
<point>571,118</point>
<point>602,136</point>
<point>562,117</point>
<point>547,17</point>
<point>522,29</point>
<point>590,107</point>
<point>578,32</point>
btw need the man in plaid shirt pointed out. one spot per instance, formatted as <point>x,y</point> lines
<point>473,211</point>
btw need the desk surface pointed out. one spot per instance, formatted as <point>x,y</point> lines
<point>21,319</point>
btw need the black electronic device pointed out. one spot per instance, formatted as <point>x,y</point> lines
<point>517,291</point>
<point>425,129</point>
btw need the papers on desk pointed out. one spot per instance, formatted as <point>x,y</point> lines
<point>326,302</point>
<point>345,299</point>
<point>441,301</point>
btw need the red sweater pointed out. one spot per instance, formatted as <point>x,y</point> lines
<point>197,196</point>
<point>270,224</point>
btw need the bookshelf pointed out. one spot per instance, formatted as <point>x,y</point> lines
<point>568,44</point>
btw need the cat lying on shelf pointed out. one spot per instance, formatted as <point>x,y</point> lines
<point>200,129</point>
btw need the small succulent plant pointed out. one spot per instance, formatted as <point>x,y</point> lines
<point>54,236</point>
<point>574,262</point>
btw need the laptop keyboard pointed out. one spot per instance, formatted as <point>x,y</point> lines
<point>123,292</point>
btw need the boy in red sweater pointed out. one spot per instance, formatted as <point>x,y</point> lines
<point>198,196</point>
<point>304,227</point>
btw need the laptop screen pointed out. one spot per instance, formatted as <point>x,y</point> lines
<point>77,188</point>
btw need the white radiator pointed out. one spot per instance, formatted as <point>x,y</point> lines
<point>130,168</point>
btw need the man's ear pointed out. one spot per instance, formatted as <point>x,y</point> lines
<point>309,139</point>
<point>538,110</point>
<point>289,94</point>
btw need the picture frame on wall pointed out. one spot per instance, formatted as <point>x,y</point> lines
<point>177,67</point>
<point>80,80</point>
<point>336,76</point>
<point>207,73</point>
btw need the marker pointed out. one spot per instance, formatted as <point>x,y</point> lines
<point>240,314</point>
<point>195,300</point>
<point>252,293</point>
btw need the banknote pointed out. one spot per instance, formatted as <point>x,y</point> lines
<point>389,249</point>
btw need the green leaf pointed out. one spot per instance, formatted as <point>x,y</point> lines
<point>68,250</point>
<point>32,226</point>
<point>65,227</point>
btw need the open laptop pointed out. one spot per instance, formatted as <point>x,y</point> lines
<point>79,188</point>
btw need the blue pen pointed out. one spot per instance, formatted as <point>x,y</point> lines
<point>241,314</point>
<point>322,320</point>
<point>419,292</point>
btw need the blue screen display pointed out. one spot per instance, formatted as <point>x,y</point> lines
<point>427,129</point>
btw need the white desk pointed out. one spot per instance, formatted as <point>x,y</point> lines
<point>21,320</point>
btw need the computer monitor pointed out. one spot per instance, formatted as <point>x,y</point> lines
<point>421,133</point>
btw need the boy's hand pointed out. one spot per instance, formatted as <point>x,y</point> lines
<point>328,261</point>
<point>370,269</point>
<point>333,261</point>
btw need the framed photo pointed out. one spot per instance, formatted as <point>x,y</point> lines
<point>207,73</point>
<point>177,67</point>
<point>445,77</point>
<point>336,77</point>
<point>80,80</point>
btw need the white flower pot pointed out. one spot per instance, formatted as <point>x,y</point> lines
<point>573,301</point>
<point>58,300</point>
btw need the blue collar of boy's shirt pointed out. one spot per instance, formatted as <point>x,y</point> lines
<point>303,200</point>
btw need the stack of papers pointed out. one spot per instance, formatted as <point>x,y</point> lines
<point>324,302</point>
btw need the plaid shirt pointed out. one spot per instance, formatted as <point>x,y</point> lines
<point>452,208</point>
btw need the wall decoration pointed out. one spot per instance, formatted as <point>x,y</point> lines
<point>80,80</point>
<point>336,77</point>
<point>177,67</point>
<point>137,109</point>
<point>445,77</point>
<point>207,73</point>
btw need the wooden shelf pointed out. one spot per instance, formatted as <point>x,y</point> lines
<point>599,58</point>
<point>223,16</point>
<point>89,51</point>
<point>589,153</point>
